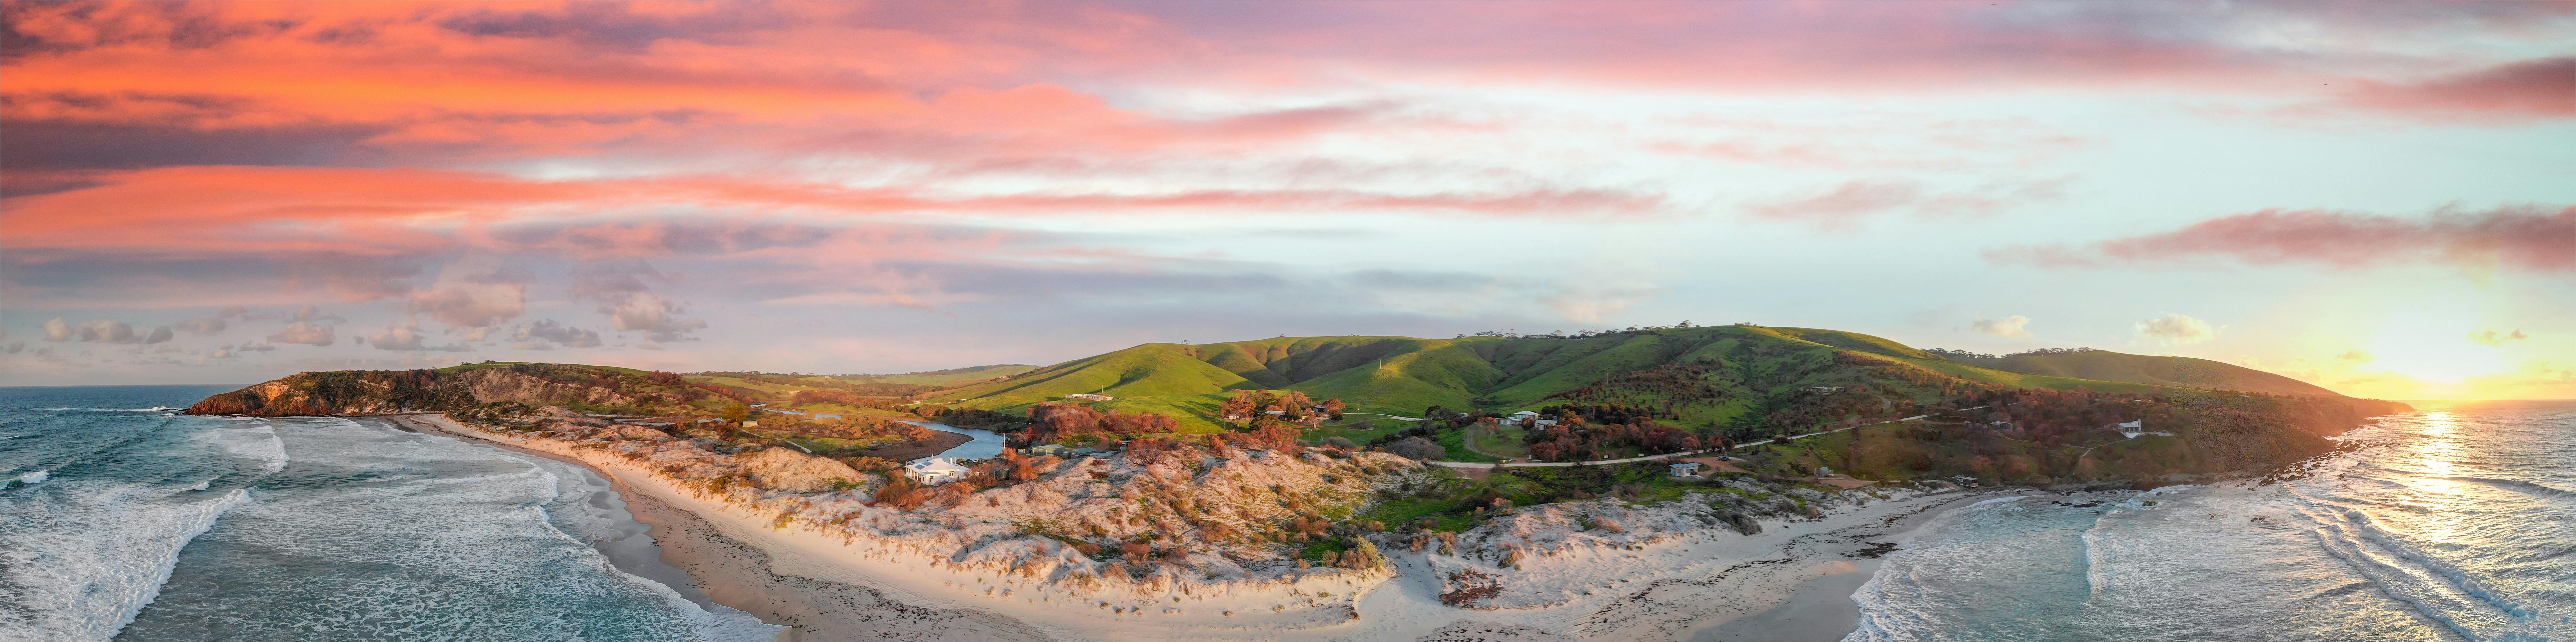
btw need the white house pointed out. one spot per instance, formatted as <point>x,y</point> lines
<point>1543,423</point>
<point>935,471</point>
<point>1089,396</point>
<point>2131,429</point>
<point>1516,418</point>
<point>1686,469</point>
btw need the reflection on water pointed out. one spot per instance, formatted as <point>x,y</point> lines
<point>2453,525</point>
<point>986,443</point>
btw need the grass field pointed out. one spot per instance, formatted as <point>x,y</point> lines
<point>1725,374</point>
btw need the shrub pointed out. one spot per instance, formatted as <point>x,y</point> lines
<point>900,492</point>
<point>1417,448</point>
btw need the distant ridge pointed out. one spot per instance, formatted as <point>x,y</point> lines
<point>2137,368</point>
<point>1703,376</point>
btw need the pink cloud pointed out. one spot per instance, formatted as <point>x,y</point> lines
<point>1852,201</point>
<point>2537,89</point>
<point>2529,237</point>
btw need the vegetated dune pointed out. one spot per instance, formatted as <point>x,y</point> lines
<point>1215,524</point>
<point>1219,537</point>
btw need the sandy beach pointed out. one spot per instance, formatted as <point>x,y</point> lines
<point>731,573</point>
<point>1792,581</point>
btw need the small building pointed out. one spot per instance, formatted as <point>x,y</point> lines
<point>934,471</point>
<point>2131,429</point>
<point>1822,471</point>
<point>1543,423</point>
<point>1964,480</point>
<point>1090,397</point>
<point>1516,418</point>
<point>1274,412</point>
<point>1686,469</point>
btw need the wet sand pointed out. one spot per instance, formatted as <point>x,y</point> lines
<point>1821,608</point>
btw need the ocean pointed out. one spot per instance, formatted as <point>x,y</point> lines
<point>121,519</point>
<point>2455,522</point>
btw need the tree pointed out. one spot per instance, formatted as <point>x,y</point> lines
<point>1333,409</point>
<point>735,413</point>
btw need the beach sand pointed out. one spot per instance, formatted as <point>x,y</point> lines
<point>728,572</point>
<point>1821,609</point>
<point>1791,582</point>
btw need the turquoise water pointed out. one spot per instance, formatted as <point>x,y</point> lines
<point>125,520</point>
<point>2459,525</point>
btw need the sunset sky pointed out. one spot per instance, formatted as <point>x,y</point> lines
<point>2375,197</point>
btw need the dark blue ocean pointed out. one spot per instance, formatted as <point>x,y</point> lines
<point>121,519</point>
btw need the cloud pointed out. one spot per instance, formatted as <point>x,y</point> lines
<point>1593,303</point>
<point>2529,237</point>
<point>614,280</point>
<point>1853,201</point>
<point>2491,338</point>
<point>303,332</point>
<point>472,292</point>
<point>407,338</point>
<point>2513,92</point>
<point>2015,326</point>
<point>2176,329</point>
<point>104,331</point>
<point>314,314</point>
<point>209,325</point>
<point>648,313</point>
<point>2356,356</point>
<point>541,332</point>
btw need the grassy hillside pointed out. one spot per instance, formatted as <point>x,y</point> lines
<point>2136,368</point>
<point>1701,377</point>
<point>942,378</point>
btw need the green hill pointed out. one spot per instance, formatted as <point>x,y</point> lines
<point>2137,368</point>
<point>1703,376</point>
<point>949,377</point>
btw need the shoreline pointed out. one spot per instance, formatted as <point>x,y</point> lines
<point>1821,609</point>
<point>729,572</point>
<point>823,591</point>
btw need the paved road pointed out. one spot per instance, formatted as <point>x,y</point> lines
<point>1465,464</point>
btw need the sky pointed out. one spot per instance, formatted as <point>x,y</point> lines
<point>2376,197</point>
